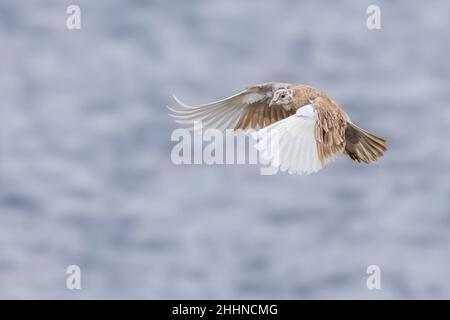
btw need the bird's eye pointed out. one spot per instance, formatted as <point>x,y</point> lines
<point>283,96</point>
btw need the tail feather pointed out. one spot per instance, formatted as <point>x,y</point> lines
<point>362,146</point>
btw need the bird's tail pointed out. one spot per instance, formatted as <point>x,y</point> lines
<point>362,146</point>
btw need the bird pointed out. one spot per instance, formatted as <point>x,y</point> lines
<point>298,127</point>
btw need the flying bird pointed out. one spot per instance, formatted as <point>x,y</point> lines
<point>299,128</point>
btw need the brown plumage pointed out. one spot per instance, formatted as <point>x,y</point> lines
<point>271,104</point>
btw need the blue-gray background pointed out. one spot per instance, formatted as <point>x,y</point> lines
<point>86,176</point>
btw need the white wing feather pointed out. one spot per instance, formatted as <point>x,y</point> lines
<point>221,114</point>
<point>290,143</point>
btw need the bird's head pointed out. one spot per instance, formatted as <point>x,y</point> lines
<point>282,97</point>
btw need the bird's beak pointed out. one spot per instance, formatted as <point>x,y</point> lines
<point>271,103</point>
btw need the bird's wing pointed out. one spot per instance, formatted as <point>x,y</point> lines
<point>249,109</point>
<point>307,141</point>
<point>329,130</point>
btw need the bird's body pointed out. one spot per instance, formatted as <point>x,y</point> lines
<point>299,127</point>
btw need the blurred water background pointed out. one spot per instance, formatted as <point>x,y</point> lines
<point>86,176</point>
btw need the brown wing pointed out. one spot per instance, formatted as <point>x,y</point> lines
<point>329,130</point>
<point>260,115</point>
<point>248,109</point>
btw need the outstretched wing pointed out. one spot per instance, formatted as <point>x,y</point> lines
<point>307,141</point>
<point>248,109</point>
